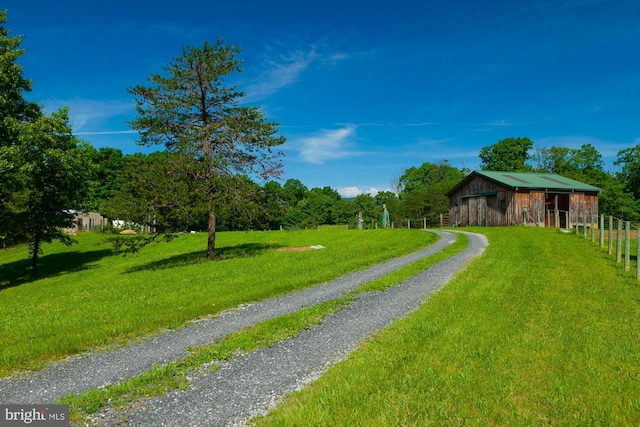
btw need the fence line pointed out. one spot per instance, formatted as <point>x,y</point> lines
<point>622,230</point>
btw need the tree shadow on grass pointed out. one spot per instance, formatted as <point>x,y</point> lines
<point>19,272</point>
<point>245,250</point>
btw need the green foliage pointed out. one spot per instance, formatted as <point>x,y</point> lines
<point>507,155</point>
<point>585,165</point>
<point>109,164</point>
<point>13,85</point>
<point>14,108</point>
<point>629,175</point>
<point>424,188</point>
<point>52,165</point>
<point>131,244</point>
<point>157,191</point>
<point>193,114</point>
<point>317,206</point>
<point>275,204</point>
<point>294,192</point>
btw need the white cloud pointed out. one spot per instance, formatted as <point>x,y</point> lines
<point>349,192</point>
<point>90,114</point>
<point>340,56</point>
<point>499,123</point>
<point>111,132</point>
<point>327,145</point>
<point>388,124</point>
<point>279,73</point>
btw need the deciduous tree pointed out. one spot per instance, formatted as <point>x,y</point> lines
<point>424,188</point>
<point>54,172</point>
<point>507,155</point>
<point>13,108</point>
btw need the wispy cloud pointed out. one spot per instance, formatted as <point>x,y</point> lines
<point>278,74</point>
<point>390,124</point>
<point>113,132</point>
<point>281,70</point>
<point>495,123</point>
<point>326,145</point>
<point>87,115</point>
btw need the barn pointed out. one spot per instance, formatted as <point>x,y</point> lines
<point>489,198</point>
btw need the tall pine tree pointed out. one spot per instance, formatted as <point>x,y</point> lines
<point>192,112</point>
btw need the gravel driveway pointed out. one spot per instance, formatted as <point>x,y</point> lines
<point>253,383</point>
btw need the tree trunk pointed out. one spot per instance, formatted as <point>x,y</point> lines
<point>211,243</point>
<point>34,255</point>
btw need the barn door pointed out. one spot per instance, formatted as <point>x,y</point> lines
<point>481,211</point>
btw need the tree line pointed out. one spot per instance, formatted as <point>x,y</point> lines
<point>211,152</point>
<point>621,190</point>
<point>135,187</point>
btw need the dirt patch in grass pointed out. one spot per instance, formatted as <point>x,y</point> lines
<point>298,249</point>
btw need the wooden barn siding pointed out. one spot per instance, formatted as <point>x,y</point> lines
<point>482,210</point>
<point>531,202</point>
<point>581,205</point>
<point>486,210</point>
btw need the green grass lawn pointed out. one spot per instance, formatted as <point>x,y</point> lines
<point>88,297</point>
<point>543,329</point>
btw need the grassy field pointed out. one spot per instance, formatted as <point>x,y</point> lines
<point>87,297</point>
<point>544,329</point>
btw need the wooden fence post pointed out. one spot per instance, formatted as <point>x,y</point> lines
<point>566,217</point>
<point>627,245</point>
<point>602,230</point>
<point>584,225</point>
<point>619,242</point>
<point>425,223</point>
<point>610,234</point>
<point>593,229</point>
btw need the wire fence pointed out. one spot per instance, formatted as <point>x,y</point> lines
<point>416,224</point>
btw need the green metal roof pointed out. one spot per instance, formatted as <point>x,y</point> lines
<point>548,181</point>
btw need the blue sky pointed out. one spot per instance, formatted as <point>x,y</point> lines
<point>362,89</point>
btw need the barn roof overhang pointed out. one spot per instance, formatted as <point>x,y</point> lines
<point>528,181</point>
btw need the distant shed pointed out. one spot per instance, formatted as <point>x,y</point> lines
<point>488,198</point>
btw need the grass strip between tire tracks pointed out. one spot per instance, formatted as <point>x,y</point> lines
<point>175,375</point>
<point>403,273</point>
